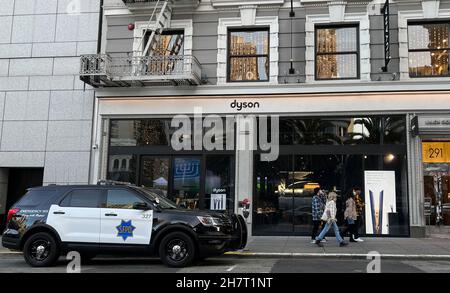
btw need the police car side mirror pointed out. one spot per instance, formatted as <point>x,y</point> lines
<point>141,206</point>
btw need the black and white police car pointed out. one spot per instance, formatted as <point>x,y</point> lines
<point>112,218</point>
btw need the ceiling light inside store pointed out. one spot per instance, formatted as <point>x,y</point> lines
<point>389,158</point>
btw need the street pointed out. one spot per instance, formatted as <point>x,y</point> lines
<point>14,263</point>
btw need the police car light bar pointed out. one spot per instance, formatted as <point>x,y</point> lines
<point>112,182</point>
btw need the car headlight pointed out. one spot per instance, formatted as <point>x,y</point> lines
<point>208,221</point>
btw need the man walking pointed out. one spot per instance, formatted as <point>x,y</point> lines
<point>317,211</point>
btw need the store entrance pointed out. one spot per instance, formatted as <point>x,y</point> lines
<point>436,171</point>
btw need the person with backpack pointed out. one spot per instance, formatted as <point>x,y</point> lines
<point>329,216</point>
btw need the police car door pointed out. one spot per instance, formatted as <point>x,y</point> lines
<point>121,223</point>
<point>77,217</point>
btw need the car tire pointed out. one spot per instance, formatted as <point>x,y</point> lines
<point>41,250</point>
<point>177,250</point>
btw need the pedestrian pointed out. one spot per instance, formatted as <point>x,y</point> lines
<point>359,203</point>
<point>317,211</point>
<point>350,217</point>
<point>329,216</point>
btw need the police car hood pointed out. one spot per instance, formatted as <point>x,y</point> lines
<point>195,213</point>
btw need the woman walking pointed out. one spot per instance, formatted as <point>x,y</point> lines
<point>329,216</point>
<point>350,216</point>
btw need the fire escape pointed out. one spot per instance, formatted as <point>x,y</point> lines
<point>145,67</point>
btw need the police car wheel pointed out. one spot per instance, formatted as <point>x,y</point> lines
<point>177,250</point>
<point>41,250</point>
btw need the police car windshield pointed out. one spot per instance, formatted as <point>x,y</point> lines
<point>162,202</point>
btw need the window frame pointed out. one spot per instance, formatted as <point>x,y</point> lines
<point>229,56</point>
<point>423,22</point>
<point>357,52</point>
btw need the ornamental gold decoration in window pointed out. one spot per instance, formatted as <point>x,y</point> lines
<point>428,49</point>
<point>248,56</point>
<point>337,52</point>
<point>169,45</point>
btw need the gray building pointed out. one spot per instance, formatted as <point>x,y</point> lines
<point>46,111</point>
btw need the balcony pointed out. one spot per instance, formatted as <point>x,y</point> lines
<point>150,4</point>
<point>102,70</point>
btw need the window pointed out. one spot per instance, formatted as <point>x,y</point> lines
<point>121,199</point>
<point>248,55</point>
<point>82,198</point>
<point>428,49</point>
<point>171,43</point>
<point>337,52</point>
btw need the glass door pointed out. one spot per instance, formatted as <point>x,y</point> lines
<point>274,197</point>
<point>155,174</point>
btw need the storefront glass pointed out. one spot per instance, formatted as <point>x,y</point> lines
<point>436,169</point>
<point>140,153</point>
<point>331,154</point>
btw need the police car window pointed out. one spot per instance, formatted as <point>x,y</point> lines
<point>121,199</point>
<point>82,198</point>
<point>35,197</point>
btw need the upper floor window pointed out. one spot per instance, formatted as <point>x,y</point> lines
<point>428,49</point>
<point>248,55</point>
<point>170,43</point>
<point>337,52</point>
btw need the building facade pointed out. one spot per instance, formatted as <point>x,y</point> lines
<point>358,92</point>
<point>46,111</point>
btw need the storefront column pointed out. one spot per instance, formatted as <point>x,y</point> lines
<point>244,163</point>
<point>415,178</point>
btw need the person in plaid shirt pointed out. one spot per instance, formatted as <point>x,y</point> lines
<point>317,211</point>
<point>359,211</point>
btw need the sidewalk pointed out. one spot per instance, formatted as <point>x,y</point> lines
<point>401,248</point>
<point>394,248</point>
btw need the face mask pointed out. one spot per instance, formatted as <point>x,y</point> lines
<point>354,192</point>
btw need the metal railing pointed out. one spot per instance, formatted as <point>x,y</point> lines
<point>141,67</point>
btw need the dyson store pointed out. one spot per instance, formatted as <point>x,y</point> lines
<point>333,152</point>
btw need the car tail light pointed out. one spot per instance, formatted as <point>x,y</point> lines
<point>11,213</point>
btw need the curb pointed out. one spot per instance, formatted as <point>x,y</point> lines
<point>337,255</point>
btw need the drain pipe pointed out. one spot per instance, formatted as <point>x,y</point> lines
<point>100,28</point>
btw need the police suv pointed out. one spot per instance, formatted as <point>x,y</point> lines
<point>112,218</point>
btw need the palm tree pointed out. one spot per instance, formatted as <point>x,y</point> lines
<point>378,130</point>
<point>312,131</point>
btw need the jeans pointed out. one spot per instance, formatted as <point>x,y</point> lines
<point>327,228</point>
<point>315,229</point>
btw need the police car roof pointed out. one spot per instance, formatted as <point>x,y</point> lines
<point>65,187</point>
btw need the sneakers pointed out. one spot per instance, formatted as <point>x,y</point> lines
<point>323,240</point>
<point>352,239</point>
<point>359,240</point>
<point>343,243</point>
<point>318,243</point>
<point>313,241</point>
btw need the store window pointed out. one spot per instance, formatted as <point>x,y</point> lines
<point>428,49</point>
<point>248,55</point>
<point>337,52</point>
<point>334,154</point>
<point>343,130</point>
<point>140,132</point>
